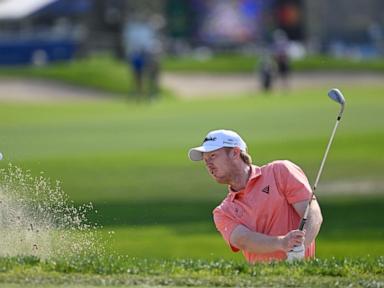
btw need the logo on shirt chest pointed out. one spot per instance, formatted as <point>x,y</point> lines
<point>266,189</point>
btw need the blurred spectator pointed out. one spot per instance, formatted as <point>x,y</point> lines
<point>136,60</point>
<point>142,53</point>
<point>376,35</point>
<point>280,51</point>
<point>267,71</point>
<point>153,70</point>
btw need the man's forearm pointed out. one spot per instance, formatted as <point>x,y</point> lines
<point>255,242</point>
<point>313,224</point>
<point>261,243</point>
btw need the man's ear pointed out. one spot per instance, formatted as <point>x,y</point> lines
<point>236,152</point>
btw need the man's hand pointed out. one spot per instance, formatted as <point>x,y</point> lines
<point>297,253</point>
<point>292,239</point>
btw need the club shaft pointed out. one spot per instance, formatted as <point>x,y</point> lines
<point>326,154</point>
<point>305,217</point>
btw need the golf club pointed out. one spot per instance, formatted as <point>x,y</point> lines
<point>337,96</point>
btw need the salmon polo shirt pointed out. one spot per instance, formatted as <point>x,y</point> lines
<point>265,206</point>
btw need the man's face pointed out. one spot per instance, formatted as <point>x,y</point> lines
<point>219,164</point>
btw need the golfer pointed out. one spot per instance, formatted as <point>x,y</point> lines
<point>261,213</point>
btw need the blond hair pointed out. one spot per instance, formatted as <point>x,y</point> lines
<point>247,159</point>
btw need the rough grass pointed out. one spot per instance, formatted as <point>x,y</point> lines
<point>118,270</point>
<point>102,73</point>
<point>234,63</point>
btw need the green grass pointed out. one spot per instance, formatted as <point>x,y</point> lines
<point>115,270</point>
<point>102,151</point>
<point>352,227</point>
<point>108,74</point>
<point>131,162</point>
<point>245,64</point>
<point>101,73</point>
<point>326,63</point>
<point>234,63</point>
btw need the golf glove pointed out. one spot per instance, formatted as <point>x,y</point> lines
<point>297,253</point>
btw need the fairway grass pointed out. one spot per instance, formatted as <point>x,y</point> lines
<point>141,242</point>
<point>116,151</point>
<point>130,161</point>
<point>352,227</point>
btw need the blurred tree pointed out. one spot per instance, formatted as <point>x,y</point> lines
<point>106,22</point>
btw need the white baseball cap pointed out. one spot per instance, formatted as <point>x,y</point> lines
<point>215,140</point>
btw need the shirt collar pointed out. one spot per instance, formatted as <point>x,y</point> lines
<point>255,173</point>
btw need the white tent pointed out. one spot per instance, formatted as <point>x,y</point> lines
<point>17,9</point>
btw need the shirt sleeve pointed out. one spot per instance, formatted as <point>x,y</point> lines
<point>292,182</point>
<point>225,225</point>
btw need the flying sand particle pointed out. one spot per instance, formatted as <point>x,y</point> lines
<point>41,216</point>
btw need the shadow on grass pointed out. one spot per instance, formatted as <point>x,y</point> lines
<point>152,213</point>
<point>345,214</point>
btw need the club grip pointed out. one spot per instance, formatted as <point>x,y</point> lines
<point>302,223</point>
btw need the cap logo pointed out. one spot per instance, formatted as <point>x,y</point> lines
<point>209,139</point>
<point>229,141</point>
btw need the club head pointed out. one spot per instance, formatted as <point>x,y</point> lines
<point>337,96</point>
